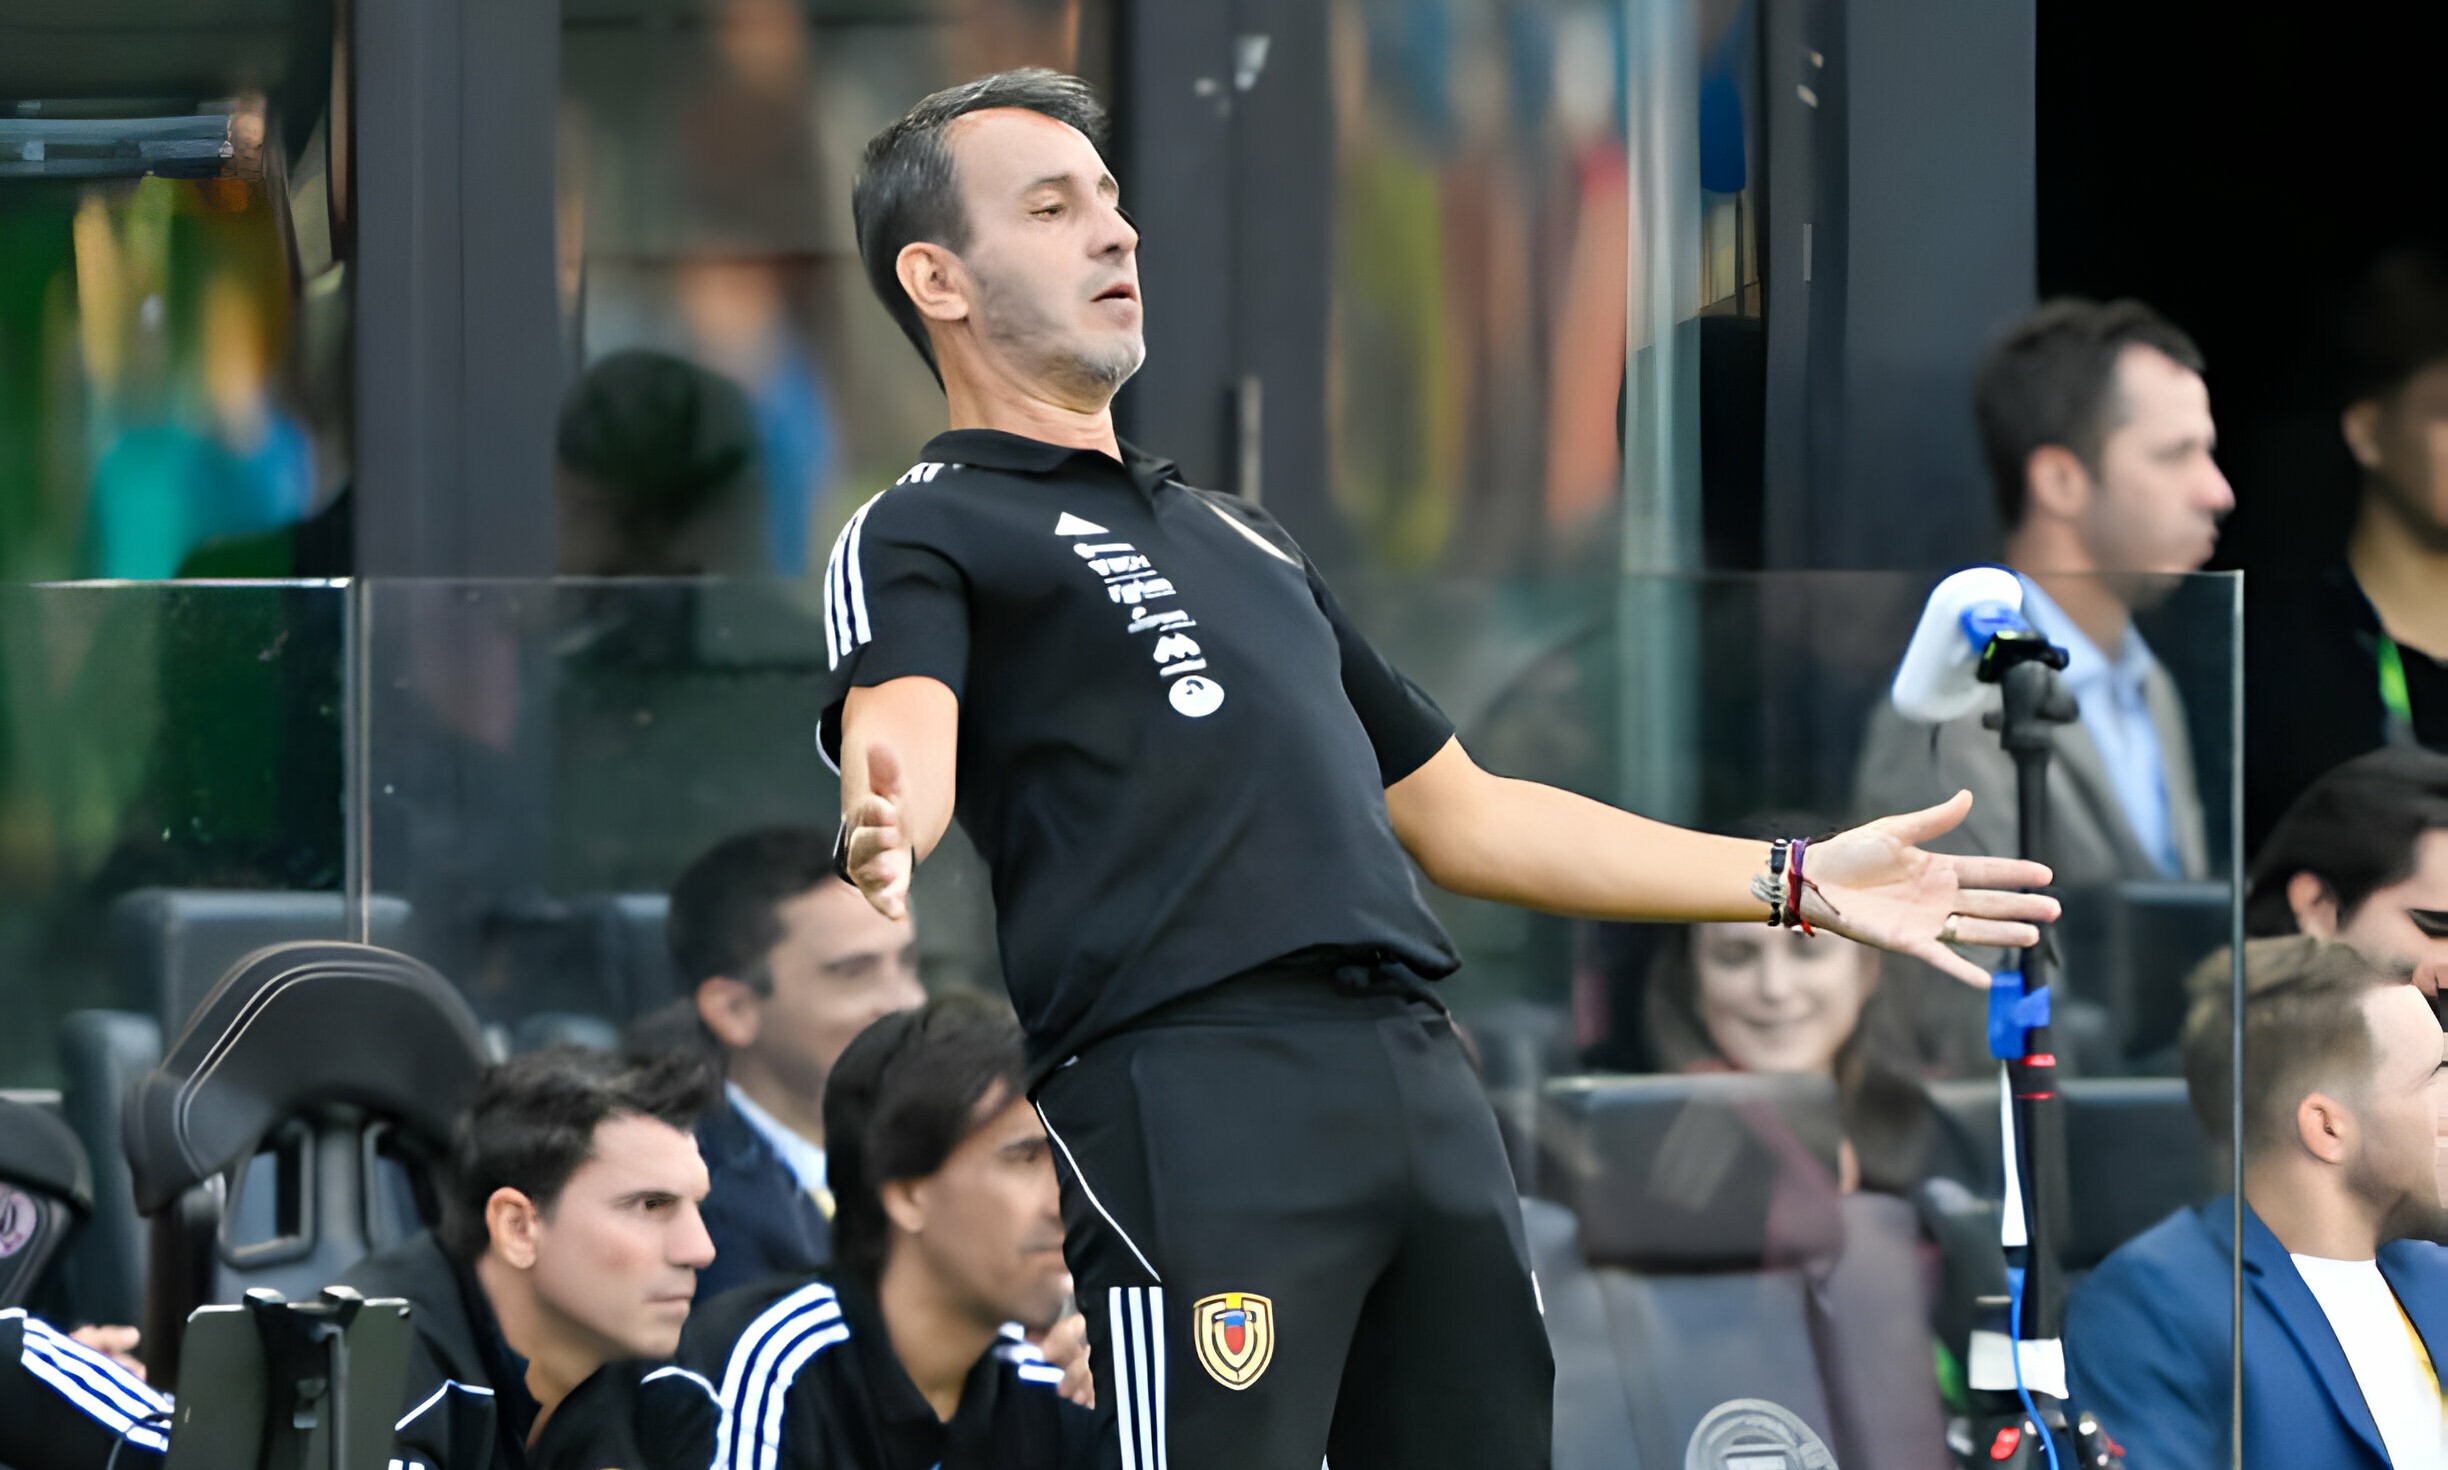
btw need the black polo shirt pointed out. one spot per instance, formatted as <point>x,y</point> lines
<point>2311,666</point>
<point>809,1381</point>
<point>1174,747</point>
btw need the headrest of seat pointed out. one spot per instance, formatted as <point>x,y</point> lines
<point>290,1030</point>
<point>2137,1155</point>
<point>1715,1172</point>
<point>176,944</point>
<point>39,1153</point>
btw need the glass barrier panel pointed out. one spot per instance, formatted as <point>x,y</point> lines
<point>1755,1165</point>
<point>170,798</point>
<point>545,759</point>
<point>1734,1137</point>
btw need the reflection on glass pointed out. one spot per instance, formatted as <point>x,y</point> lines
<point>153,739</point>
<point>1476,358</point>
<point>164,400</point>
<point>705,169</point>
<point>545,759</point>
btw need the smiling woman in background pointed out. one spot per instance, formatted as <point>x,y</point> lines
<point>1747,998</point>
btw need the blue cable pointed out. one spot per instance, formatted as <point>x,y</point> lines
<point>2014,1328</point>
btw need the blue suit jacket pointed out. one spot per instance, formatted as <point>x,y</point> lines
<point>2147,1348</point>
<point>763,1224</point>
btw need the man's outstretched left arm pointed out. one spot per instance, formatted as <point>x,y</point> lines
<point>1518,842</point>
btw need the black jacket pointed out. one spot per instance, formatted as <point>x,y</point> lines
<point>63,1407</point>
<point>467,1405</point>
<point>762,1223</point>
<point>810,1382</point>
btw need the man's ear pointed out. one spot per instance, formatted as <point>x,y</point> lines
<point>934,280</point>
<point>2316,909</point>
<point>905,1205</point>
<point>2324,1127</point>
<point>2056,482</point>
<point>2359,425</point>
<point>513,1223</point>
<point>732,1011</point>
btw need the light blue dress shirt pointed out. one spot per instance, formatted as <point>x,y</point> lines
<point>805,1160</point>
<point>2116,714</point>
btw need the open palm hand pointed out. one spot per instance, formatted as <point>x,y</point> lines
<point>1876,884</point>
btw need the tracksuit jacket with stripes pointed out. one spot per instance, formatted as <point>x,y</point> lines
<point>808,1380</point>
<point>66,1407</point>
<point>467,1405</point>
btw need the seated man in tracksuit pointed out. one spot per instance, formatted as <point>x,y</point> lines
<point>947,1235</point>
<point>548,1304</point>
<point>65,1405</point>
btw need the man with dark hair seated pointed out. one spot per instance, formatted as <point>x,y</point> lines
<point>564,1267</point>
<point>948,1242</point>
<point>2345,1285</point>
<point>2362,856</point>
<point>785,963</point>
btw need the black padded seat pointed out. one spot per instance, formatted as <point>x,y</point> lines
<point>340,1068</point>
<point>2134,1155</point>
<point>1716,1259</point>
<point>103,1054</point>
<point>46,1192</point>
<point>172,945</point>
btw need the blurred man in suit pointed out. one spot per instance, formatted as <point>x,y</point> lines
<point>786,963</point>
<point>2097,429</point>
<point>2345,1285</point>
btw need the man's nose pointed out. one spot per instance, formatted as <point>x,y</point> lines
<point>691,1245</point>
<point>1049,1194</point>
<point>902,993</point>
<point>2218,497</point>
<point>1120,236</point>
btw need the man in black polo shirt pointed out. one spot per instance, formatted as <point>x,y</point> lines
<point>1201,793</point>
<point>568,1256</point>
<point>948,1237</point>
<point>2351,654</point>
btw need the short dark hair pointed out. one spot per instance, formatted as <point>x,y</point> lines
<point>2355,829</point>
<point>532,1122</point>
<point>2304,1030</point>
<point>903,1096</point>
<point>724,917</point>
<point>667,439</point>
<point>2398,324</point>
<point>2052,379</point>
<point>907,191</point>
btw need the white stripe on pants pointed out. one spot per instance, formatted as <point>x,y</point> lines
<point>1136,1317</point>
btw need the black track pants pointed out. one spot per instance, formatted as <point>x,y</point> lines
<point>1295,1236</point>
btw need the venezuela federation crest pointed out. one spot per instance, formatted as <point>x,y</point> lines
<point>1235,1336</point>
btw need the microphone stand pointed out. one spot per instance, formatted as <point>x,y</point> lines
<point>2035,702</point>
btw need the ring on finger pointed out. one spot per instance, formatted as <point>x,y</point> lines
<point>1946,931</point>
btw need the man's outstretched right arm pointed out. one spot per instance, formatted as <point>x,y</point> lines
<point>900,752</point>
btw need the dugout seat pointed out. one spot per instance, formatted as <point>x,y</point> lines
<point>46,1192</point>
<point>546,964</point>
<point>1698,1251</point>
<point>172,945</point>
<point>103,1054</point>
<point>2134,1155</point>
<point>339,1068</point>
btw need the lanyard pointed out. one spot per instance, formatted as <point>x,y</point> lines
<point>2393,696</point>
